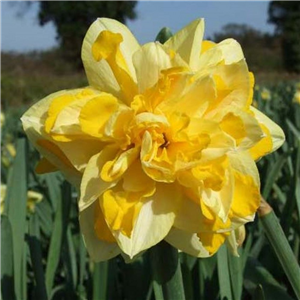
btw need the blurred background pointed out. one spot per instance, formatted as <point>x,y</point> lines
<point>42,39</point>
<point>40,54</point>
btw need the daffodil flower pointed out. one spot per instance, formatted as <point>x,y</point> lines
<point>2,118</point>
<point>296,97</point>
<point>162,144</point>
<point>32,199</point>
<point>265,94</point>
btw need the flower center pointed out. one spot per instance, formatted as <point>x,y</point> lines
<point>166,142</point>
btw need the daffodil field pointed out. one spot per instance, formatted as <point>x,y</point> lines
<point>43,255</point>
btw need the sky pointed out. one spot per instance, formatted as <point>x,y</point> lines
<point>23,34</point>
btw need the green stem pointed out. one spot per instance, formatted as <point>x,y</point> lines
<point>280,245</point>
<point>166,271</point>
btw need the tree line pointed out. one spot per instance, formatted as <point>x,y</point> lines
<point>280,50</point>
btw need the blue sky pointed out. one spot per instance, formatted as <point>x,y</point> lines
<point>24,34</point>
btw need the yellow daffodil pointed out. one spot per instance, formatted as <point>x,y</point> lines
<point>296,97</point>
<point>8,153</point>
<point>2,118</point>
<point>32,199</point>
<point>265,94</point>
<point>162,143</point>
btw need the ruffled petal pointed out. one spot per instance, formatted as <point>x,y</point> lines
<point>186,242</point>
<point>92,186</point>
<point>99,74</point>
<point>273,136</point>
<point>246,196</point>
<point>99,250</point>
<point>149,61</point>
<point>187,42</point>
<point>154,221</point>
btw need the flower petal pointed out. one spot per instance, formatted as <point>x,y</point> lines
<point>114,169</point>
<point>92,186</point>
<point>189,217</point>
<point>95,114</point>
<point>246,195</point>
<point>187,42</point>
<point>149,61</point>
<point>100,74</point>
<point>228,51</point>
<point>212,241</point>
<point>274,136</point>
<point>154,221</point>
<point>99,250</point>
<point>186,242</point>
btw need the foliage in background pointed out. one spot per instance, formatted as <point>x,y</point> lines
<point>73,18</point>
<point>285,15</point>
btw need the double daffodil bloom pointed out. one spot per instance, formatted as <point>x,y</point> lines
<point>162,143</point>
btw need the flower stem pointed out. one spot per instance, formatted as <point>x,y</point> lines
<point>280,245</point>
<point>166,271</point>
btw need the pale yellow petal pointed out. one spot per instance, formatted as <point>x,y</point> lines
<point>56,157</point>
<point>80,151</point>
<point>187,42</point>
<point>92,186</point>
<point>149,61</point>
<point>136,180</point>
<point>243,163</point>
<point>189,217</point>
<point>63,118</point>
<point>154,221</point>
<point>196,98</point>
<point>114,169</point>
<point>186,242</point>
<point>241,126</point>
<point>99,250</point>
<point>226,52</point>
<point>96,112</point>
<point>220,201</point>
<point>275,132</point>
<point>233,87</point>
<point>99,74</point>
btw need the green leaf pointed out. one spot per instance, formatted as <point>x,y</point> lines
<point>187,265</point>
<point>7,266</point>
<point>82,267</point>
<point>166,270</point>
<point>223,274</point>
<point>15,206</point>
<point>69,258</point>
<point>207,270</point>
<point>258,275</point>
<point>104,280</point>
<point>236,275</point>
<point>259,293</point>
<point>273,174</point>
<point>37,258</point>
<point>135,285</point>
<point>282,249</point>
<point>58,234</point>
<point>297,181</point>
